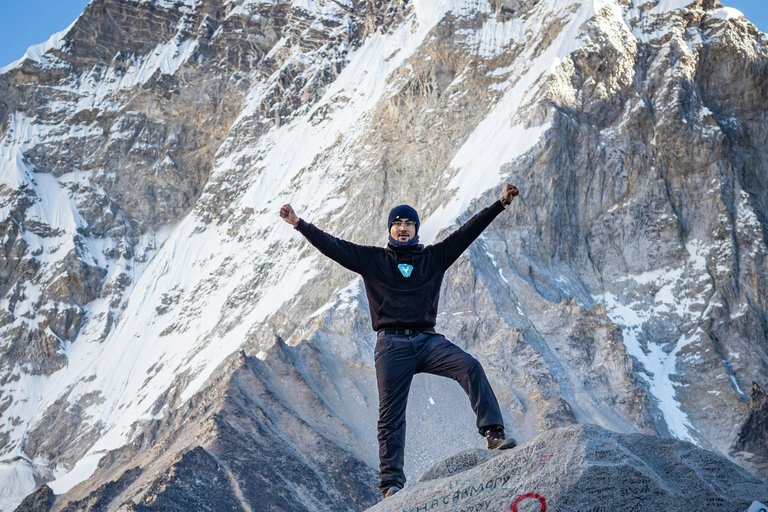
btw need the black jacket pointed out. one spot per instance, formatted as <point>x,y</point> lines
<point>396,301</point>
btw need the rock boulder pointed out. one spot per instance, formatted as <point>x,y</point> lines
<point>584,468</point>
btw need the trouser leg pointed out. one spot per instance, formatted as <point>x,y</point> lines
<point>395,367</point>
<point>439,356</point>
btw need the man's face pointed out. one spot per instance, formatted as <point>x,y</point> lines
<point>403,230</point>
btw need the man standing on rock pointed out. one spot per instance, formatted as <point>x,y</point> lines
<point>402,282</point>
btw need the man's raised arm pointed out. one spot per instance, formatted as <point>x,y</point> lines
<point>351,256</point>
<point>457,242</point>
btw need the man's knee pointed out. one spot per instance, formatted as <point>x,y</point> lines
<point>471,373</point>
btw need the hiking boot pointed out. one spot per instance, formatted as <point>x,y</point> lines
<point>390,491</point>
<point>496,440</point>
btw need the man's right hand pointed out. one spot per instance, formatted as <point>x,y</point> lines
<point>288,215</point>
<point>510,193</point>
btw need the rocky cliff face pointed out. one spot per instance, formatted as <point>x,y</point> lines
<point>145,152</point>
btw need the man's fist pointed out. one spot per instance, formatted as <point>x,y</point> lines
<point>510,193</point>
<point>288,215</point>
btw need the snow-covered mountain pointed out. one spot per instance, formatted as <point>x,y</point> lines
<point>158,318</point>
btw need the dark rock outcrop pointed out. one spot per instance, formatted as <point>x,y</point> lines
<point>100,498</point>
<point>753,435</point>
<point>39,501</point>
<point>195,482</point>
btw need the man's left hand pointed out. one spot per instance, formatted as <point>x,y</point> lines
<point>510,193</point>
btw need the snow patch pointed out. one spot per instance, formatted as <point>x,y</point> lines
<point>83,470</point>
<point>321,8</point>
<point>659,365</point>
<point>344,299</point>
<point>18,480</point>
<point>495,37</point>
<point>736,385</point>
<point>99,86</point>
<point>726,13</point>
<point>38,52</point>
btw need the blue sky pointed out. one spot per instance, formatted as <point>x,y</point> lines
<point>27,22</point>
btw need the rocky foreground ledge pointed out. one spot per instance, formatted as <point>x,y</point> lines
<point>583,468</point>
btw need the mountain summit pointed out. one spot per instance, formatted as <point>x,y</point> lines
<point>158,321</point>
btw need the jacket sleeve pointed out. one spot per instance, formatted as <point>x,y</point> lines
<point>449,250</point>
<point>351,256</point>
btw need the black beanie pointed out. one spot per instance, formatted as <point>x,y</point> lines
<point>403,212</point>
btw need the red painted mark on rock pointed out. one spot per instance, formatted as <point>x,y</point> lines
<point>533,495</point>
<point>544,459</point>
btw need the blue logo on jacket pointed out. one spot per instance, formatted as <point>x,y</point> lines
<point>405,269</point>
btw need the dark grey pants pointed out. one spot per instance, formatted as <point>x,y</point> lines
<point>398,359</point>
